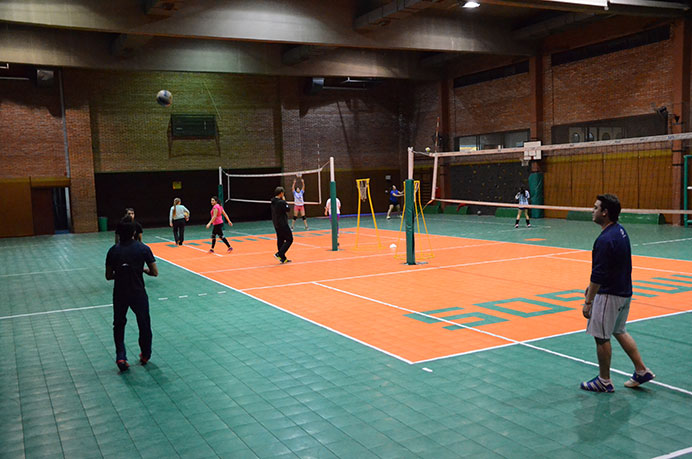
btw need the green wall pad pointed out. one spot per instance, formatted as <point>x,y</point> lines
<point>432,209</point>
<point>651,219</point>
<point>506,212</point>
<point>450,209</point>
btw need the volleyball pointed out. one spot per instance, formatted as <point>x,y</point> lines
<point>164,98</point>
<point>479,212</point>
<point>427,149</point>
<point>393,246</point>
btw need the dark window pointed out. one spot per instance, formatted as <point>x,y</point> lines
<point>493,74</point>
<point>619,44</point>
<point>611,129</point>
<point>507,139</point>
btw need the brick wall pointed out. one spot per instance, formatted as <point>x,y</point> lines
<point>31,136</point>
<point>615,85</point>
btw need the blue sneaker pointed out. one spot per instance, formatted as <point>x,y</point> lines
<point>636,379</point>
<point>597,385</point>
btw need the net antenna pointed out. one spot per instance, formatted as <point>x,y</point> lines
<point>419,217</point>
<point>363,187</point>
<point>641,171</point>
<point>312,180</point>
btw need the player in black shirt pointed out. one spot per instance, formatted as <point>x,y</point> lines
<point>125,264</point>
<point>130,212</point>
<point>284,235</point>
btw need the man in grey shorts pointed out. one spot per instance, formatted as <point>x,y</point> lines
<point>608,296</point>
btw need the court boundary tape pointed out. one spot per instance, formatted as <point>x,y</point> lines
<point>678,453</point>
<point>44,272</point>
<point>510,340</point>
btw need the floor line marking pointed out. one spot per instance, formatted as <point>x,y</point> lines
<point>291,313</point>
<point>188,246</point>
<point>43,272</point>
<point>389,254</point>
<point>666,241</point>
<point>495,335</point>
<point>55,311</point>
<point>633,267</point>
<point>362,276</point>
<point>678,453</point>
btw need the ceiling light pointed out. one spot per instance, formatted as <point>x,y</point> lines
<point>471,4</point>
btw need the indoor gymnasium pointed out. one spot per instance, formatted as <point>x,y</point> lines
<point>345,229</point>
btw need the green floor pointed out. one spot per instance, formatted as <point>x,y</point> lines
<point>234,377</point>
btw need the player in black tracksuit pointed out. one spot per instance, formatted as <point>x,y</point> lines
<point>284,235</point>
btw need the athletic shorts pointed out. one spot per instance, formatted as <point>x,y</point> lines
<point>218,230</point>
<point>298,208</point>
<point>608,315</point>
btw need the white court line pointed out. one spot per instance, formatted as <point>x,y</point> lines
<point>43,272</point>
<point>513,341</point>
<point>667,241</point>
<point>633,266</point>
<point>55,311</point>
<point>291,313</point>
<point>189,246</point>
<point>362,276</point>
<point>678,453</point>
<point>340,259</point>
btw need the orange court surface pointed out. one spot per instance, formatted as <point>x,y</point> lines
<point>471,295</point>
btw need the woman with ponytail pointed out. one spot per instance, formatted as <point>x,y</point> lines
<point>176,219</point>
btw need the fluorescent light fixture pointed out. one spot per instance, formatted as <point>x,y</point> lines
<point>471,4</point>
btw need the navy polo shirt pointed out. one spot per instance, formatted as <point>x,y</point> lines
<point>612,261</point>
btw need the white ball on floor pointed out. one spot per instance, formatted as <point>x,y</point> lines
<point>393,246</point>
<point>479,212</point>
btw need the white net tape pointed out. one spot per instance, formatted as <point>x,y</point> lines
<point>298,174</point>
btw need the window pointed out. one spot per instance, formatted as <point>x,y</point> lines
<point>491,141</point>
<point>611,129</point>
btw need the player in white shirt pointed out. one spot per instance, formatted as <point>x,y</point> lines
<point>298,202</point>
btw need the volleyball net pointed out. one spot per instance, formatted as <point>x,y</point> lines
<point>255,188</point>
<point>648,174</point>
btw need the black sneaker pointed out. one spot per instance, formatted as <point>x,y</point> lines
<point>122,365</point>
<point>276,255</point>
<point>285,260</point>
<point>143,360</point>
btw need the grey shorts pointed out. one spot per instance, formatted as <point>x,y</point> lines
<point>608,316</point>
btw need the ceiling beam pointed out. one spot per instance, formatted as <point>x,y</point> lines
<point>69,48</point>
<point>624,7</point>
<point>300,22</point>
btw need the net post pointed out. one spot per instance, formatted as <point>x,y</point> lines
<point>410,163</point>
<point>408,219</point>
<point>332,196</point>
<point>434,179</point>
<point>220,188</point>
<point>685,188</point>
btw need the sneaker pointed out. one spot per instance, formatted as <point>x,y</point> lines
<point>285,260</point>
<point>143,360</point>
<point>596,385</point>
<point>388,217</point>
<point>517,225</point>
<point>122,365</point>
<point>230,249</point>
<point>528,225</point>
<point>636,379</point>
<point>211,250</point>
<point>276,255</point>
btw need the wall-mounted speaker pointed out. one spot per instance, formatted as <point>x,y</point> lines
<point>314,85</point>
<point>45,78</point>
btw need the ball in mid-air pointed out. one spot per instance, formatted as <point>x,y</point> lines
<point>479,212</point>
<point>393,246</point>
<point>164,98</point>
<point>427,149</point>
